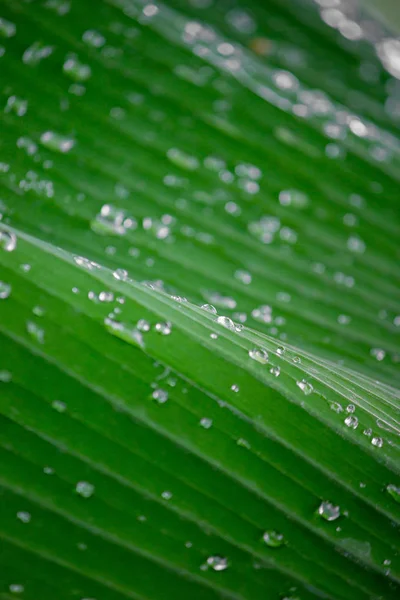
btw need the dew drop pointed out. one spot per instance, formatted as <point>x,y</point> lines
<point>394,491</point>
<point>56,142</point>
<point>75,69</point>
<point>5,290</point>
<point>305,387</point>
<point>329,511</point>
<point>226,322</point>
<point>273,539</point>
<point>16,588</point>
<point>161,396</point>
<point>235,388</point>
<point>8,241</point>
<point>351,421</point>
<point>217,563</point>
<point>59,406</point>
<point>24,516</point>
<point>377,442</point>
<point>167,495</point>
<point>36,332</point>
<point>275,371</point>
<point>164,328</point>
<point>84,489</point>
<point>143,325</point>
<point>209,308</point>
<point>259,355</point>
<point>206,423</point>
<point>7,29</point>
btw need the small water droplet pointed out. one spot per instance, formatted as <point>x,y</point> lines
<point>8,241</point>
<point>259,355</point>
<point>5,376</point>
<point>297,359</point>
<point>59,406</point>
<point>167,495</point>
<point>235,388</point>
<point>351,421</point>
<point>164,328</point>
<point>7,29</point>
<point>243,443</point>
<point>24,516</point>
<point>120,275</point>
<point>143,325</point>
<point>305,387</point>
<point>112,221</point>
<point>16,588</point>
<point>55,141</point>
<point>273,539</point>
<point>275,371</point>
<point>48,470</point>
<point>76,70</point>
<point>209,308</point>
<point>377,442</point>
<point>36,332</point>
<point>160,395</point>
<point>5,290</point>
<point>394,491</point>
<point>226,322</point>
<point>84,489</point>
<point>217,563</point>
<point>280,351</point>
<point>206,423</point>
<point>329,511</point>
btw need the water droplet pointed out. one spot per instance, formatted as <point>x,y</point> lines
<point>120,275</point>
<point>16,105</point>
<point>59,406</point>
<point>243,443</point>
<point>243,276</point>
<point>55,141</point>
<point>273,539</point>
<point>112,221</point>
<point>280,351</point>
<point>235,388</point>
<point>166,495</point>
<point>259,355</point>
<point>182,160</point>
<point>160,395</point>
<point>36,332</point>
<point>394,491</point>
<point>206,423</point>
<point>93,38</point>
<point>7,29</point>
<point>36,53</point>
<point>305,387</point>
<point>209,308</point>
<point>143,325</point>
<point>351,421</point>
<point>84,489</point>
<point>8,241</point>
<point>275,371</point>
<point>220,300</point>
<point>24,516</point>
<point>297,360</point>
<point>48,470</point>
<point>16,588</point>
<point>164,328</point>
<point>217,563</point>
<point>329,511</point>
<point>377,442</point>
<point>5,376</point>
<point>75,69</point>
<point>5,290</point>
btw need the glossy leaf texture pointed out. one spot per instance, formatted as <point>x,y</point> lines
<point>199,302</point>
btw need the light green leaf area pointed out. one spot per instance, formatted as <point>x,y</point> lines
<point>199,304</point>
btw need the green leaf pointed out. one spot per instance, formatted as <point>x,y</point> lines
<point>199,303</point>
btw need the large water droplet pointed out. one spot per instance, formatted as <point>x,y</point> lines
<point>273,539</point>
<point>329,511</point>
<point>259,355</point>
